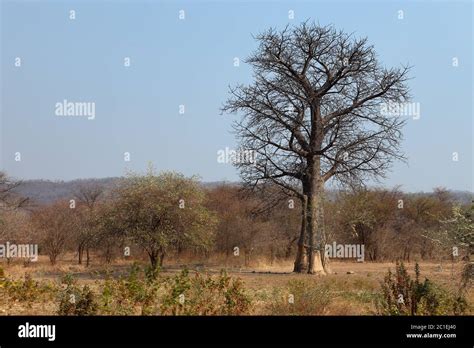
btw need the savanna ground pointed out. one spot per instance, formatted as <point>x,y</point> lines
<point>352,289</point>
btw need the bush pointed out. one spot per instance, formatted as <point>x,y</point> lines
<point>24,290</point>
<point>150,294</point>
<point>131,295</point>
<point>302,297</point>
<point>74,301</point>
<point>400,295</point>
<point>198,295</point>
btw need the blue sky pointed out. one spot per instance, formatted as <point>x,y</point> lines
<point>190,62</point>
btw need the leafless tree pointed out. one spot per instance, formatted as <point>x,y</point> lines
<point>9,199</point>
<point>314,113</point>
<point>88,197</point>
<point>274,192</point>
<point>13,219</point>
<point>54,224</point>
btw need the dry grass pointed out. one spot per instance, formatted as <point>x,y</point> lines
<point>351,294</point>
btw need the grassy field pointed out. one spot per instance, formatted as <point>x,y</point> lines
<point>351,289</point>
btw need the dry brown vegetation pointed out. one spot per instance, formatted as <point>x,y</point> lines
<point>124,252</point>
<point>352,289</point>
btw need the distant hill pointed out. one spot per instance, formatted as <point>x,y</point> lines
<point>45,191</point>
<point>462,197</point>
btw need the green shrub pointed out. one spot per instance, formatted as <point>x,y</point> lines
<point>400,295</point>
<point>131,295</point>
<point>114,299</point>
<point>74,301</point>
<point>24,290</point>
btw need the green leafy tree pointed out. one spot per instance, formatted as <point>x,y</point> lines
<point>460,228</point>
<point>162,213</point>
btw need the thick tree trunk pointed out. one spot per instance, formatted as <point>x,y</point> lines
<point>299,265</point>
<point>321,231</point>
<point>315,212</point>
<point>317,260</point>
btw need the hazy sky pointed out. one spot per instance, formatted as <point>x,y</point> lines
<point>190,62</point>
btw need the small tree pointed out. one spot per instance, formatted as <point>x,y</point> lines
<point>108,236</point>
<point>9,198</point>
<point>15,227</point>
<point>162,213</point>
<point>246,222</point>
<point>55,224</point>
<point>88,197</point>
<point>460,229</point>
<point>14,219</point>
